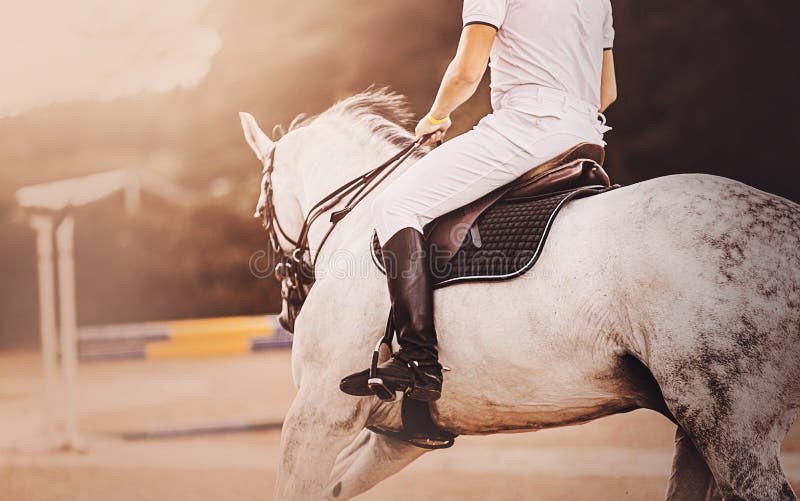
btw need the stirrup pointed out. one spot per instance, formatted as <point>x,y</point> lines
<point>375,383</point>
<point>379,388</point>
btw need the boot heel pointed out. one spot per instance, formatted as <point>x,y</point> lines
<point>424,394</point>
<point>379,388</point>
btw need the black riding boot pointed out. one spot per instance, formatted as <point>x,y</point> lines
<point>415,368</point>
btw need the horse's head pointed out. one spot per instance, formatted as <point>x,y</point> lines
<point>279,190</point>
<point>317,157</point>
<point>279,210</point>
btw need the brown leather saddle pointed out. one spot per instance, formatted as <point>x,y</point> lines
<point>575,168</point>
<point>502,234</point>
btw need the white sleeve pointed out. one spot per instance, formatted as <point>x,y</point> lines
<point>491,12</point>
<point>608,28</point>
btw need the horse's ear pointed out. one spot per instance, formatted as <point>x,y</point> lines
<point>261,144</point>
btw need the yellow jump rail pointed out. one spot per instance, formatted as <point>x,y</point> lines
<point>207,337</point>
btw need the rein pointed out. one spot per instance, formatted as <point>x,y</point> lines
<point>294,271</point>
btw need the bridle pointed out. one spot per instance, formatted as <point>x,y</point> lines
<point>295,268</point>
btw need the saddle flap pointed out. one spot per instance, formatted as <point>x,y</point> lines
<point>445,235</point>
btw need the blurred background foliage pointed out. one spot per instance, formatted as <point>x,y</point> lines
<point>705,86</point>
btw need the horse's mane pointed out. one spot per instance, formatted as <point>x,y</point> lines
<point>376,111</point>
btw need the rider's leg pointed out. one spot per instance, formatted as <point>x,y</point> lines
<point>409,280</point>
<point>415,368</point>
<point>451,176</point>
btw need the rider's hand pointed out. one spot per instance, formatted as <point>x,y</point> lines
<point>438,130</point>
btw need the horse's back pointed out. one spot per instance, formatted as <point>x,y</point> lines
<point>729,233</point>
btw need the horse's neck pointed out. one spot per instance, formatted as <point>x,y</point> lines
<point>342,164</point>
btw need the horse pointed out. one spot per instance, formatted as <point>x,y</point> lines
<point>680,294</point>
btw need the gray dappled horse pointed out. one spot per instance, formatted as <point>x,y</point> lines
<point>680,294</point>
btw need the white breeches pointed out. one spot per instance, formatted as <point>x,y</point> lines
<point>533,125</point>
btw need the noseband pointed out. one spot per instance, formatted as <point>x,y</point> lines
<point>295,268</point>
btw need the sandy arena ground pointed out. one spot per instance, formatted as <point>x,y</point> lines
<point>623,457</point>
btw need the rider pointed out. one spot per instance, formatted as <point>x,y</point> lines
<point>552,75</point>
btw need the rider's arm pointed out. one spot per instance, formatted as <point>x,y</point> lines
<point>462,76</point>
<point>465,70</point>
<point>608,83</point>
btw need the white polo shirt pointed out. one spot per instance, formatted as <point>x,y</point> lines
<point>557,44</point>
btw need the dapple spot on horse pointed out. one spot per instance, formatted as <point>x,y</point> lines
<point>696,277</point>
